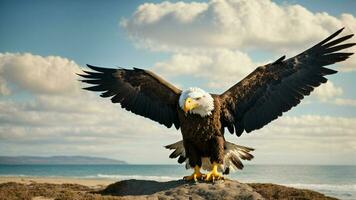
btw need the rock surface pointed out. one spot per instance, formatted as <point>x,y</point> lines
<point>142,189</point>
<point>182,190</point>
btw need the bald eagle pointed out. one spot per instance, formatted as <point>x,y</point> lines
<point>202,117</point>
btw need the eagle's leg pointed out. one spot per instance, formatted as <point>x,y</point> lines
<point>213,175</point>
<point>197,175</point>
<point>194,161</point>
<point>217,158</point>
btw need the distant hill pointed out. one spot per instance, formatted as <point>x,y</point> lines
<point>58,160</point>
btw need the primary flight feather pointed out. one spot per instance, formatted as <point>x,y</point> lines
<point>261,97</point>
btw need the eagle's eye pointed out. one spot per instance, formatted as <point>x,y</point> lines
<point>198,98</point>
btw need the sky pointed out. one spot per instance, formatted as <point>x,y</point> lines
<point>210,44</point>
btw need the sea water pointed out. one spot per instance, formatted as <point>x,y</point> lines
<point>336,181</point>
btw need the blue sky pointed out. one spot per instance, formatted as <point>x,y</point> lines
<point>85,31</point>
<point>90,32</point>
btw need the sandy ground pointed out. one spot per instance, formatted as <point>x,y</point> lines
<point>26,188</point>
<point>92,183</point>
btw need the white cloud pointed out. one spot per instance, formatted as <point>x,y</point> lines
<point>85,124</point>
<point>204,39</point>
<point>219,69</point>
<point>37,74</point>
<point>4,90</point>
<point>59,115</point>
<point>350,24</point>
<point>79,123</point>
<point>308,127</point>
<point>307,139</point>
<point>149,13</point>
<point>229,24</point>
<point>327,91</point>
<point>345,102</point>
<point>315,126</point>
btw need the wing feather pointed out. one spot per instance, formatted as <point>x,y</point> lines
<point>275,88</point>
<point>139,91</point>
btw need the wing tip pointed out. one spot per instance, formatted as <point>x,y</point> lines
<point>83,75</point>
<point>250,149</point>
<point>338,31</point>
<point>332,71</point>
<point>101,69</point>
<point>279,60</point>
<point>331,37</point>
<point>95,88</point>
<point>92,67</point>
<point>85,88</point>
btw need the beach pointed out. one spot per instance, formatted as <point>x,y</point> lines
<point>48,188</point>
<point>92,183</point>
<point>333,181</point>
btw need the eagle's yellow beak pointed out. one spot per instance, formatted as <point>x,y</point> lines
<point>189,104</point>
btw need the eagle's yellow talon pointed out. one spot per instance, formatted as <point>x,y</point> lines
<point>195,176</point>
<point>213,175</point>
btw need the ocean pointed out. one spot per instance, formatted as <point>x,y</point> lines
<point>335,181</point>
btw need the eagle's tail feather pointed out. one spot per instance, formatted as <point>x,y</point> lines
<point>233,154</point>
<point>178,149</point>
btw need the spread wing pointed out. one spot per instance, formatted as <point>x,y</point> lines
<point>137,90</point>
<point>275,88</point>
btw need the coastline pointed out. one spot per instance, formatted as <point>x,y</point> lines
<point>19,187</point>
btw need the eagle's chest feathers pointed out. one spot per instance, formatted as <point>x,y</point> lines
<point>202,128</point>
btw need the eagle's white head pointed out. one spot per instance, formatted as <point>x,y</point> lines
<point>197,101</point>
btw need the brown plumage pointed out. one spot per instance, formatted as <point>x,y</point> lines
<point>275,88</point>
<point>137,90</point>
<point>202,136</point>
<point>258,99</point>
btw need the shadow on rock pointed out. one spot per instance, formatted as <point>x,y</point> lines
<point>139,187</point>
